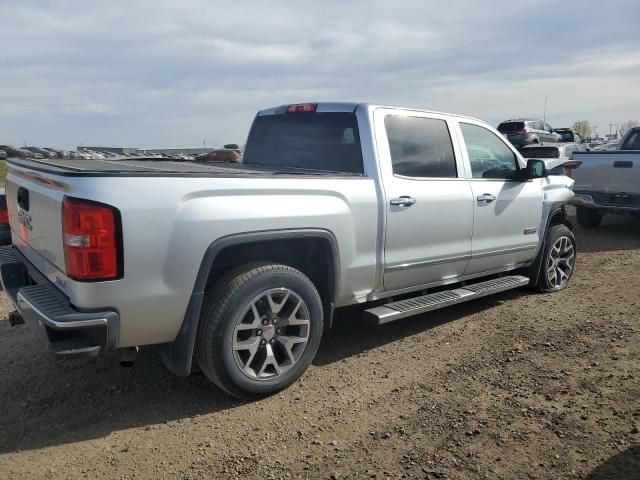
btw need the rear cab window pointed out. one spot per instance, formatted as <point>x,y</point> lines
<point>420,147</point>
<point>327,141</point>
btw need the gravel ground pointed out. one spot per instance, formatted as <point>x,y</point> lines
<point>516,386</point>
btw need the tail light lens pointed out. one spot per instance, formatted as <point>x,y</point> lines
<point>567,171</point>
<point>92,240</point>
<point>4,211</point>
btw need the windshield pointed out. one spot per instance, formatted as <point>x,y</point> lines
<point>316,141</point>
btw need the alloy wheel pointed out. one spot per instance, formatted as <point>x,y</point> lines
<point>560,262</point>
<point>271,334</point>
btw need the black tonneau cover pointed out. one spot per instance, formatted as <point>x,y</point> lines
<point>157,167</point>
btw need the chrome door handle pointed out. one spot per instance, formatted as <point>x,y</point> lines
<point>486,198</point>
<point>403,201</point>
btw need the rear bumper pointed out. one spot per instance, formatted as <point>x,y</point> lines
<point>66,330</point>
<point>604,201</point>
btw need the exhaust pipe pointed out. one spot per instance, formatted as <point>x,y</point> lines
<point>15,318</point>
<point>129,356</point>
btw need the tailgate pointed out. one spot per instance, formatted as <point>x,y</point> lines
<point>614,172</point>
<point>35,214</point>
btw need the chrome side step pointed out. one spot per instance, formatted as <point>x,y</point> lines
<point>434,301</point>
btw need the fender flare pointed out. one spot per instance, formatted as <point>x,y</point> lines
<point>178,355</point>
<point>537,263</point>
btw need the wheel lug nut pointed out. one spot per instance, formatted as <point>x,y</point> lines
<point>275,320</point>
<point>264,322</point>
<point>263,341</point>
<point>277,331</point>
<point>273,340</point>
<point>259,332</point>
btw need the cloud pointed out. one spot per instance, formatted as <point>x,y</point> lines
<point>177,71</point>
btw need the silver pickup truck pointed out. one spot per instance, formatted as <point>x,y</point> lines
<point>607,181</point>
<point>239,266</point>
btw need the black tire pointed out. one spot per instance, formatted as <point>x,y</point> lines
<point>223,309</point>
<point>546,283</point>
<point>589,217</point>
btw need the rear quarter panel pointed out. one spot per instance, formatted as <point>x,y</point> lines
<point>169,222</point>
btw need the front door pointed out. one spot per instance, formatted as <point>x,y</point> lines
<point>507,211</point>
<point>429,205</point>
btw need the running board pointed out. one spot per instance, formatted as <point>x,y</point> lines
<point>433,301</point>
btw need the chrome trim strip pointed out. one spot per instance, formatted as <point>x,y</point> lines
<point>439,261</point>
<point>504,251</point>
<point>424,263</point>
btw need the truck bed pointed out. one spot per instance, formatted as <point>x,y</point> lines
<point>158,167</point>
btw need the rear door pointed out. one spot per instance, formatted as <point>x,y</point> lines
<point>507,211</point>
<point>429,206</point>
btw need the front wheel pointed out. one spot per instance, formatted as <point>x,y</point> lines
<point>260,329</point>
<point>558,260</point>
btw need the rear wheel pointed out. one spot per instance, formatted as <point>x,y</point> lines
<point>589,217</point>
<point>558,260</point>
<point>260,329</point>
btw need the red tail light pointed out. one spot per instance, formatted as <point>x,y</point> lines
<point>302,107</point>
<point>567,171</point>
<point>92,240</point>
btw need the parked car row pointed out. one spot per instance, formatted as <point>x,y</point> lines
<point>528,131</point>
<point>86,154</point>
<point>229,153</point>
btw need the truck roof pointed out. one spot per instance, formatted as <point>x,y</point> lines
<point>323,107</point>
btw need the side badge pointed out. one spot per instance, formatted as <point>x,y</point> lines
<point>530,231</point>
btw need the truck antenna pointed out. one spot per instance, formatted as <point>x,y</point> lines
<point>544,115</point>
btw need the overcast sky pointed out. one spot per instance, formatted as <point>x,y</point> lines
<point>164,73</point>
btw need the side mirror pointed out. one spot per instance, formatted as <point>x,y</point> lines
<point>535,169</point>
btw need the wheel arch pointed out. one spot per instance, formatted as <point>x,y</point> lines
<point>557,216</point>
<point>291,247</point>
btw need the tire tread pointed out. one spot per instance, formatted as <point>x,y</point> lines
<point>216,303</point>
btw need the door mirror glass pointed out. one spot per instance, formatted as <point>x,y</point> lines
<point>535,169</point>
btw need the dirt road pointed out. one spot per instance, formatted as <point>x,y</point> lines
<point>518,386</point>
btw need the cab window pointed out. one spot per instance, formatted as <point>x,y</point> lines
<point>488,155</point>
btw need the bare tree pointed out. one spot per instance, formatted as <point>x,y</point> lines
<point>583,128</point>
<point>628,125</point>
